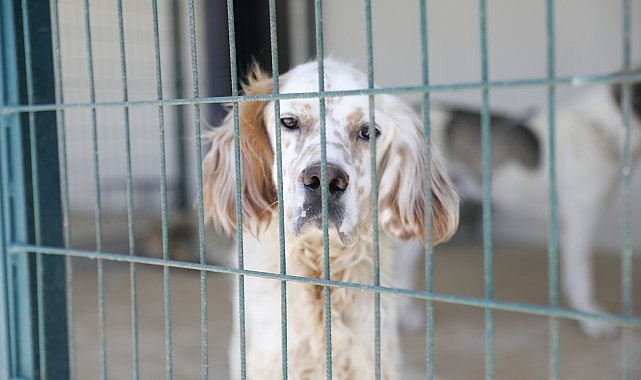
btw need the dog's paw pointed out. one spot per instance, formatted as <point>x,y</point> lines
<point>412,318</point>
<point>598,329</point>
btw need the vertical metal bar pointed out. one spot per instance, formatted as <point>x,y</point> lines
<point>35,317</point>
<point>6,351</point>
<point>429,306</point>
<point>553,243</point>
<point>21,356</point>
<point>28,335</point>
<point>273,39</point>
<point>35,194</point>
<point>626,198</point>
<point>42,181</point>
<point>161,142</point>
<point>374,186</point>
<point>164,210</point>
<point>98,200</point>
<point>327,307</point>
<point>238,200</point>
<point>488,266</point>
<point>201,211</point>
<point>129,190</point>
<point>5,338</point>
<point>64,186</point>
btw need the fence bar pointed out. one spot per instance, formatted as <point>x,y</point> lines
<point>35,191</point>
<point>97,192</point>
<point>327,307</point>
<point>488,264</point>
<point>7,70</point>
<point>633,321</point>
<point>553,242</point>
<point>5,338</point>
<point>575,81</point>
<point>202,255</point>
<point>428,249</point>
<point>374,195</point>
<point>626,199</point>
<point>20,358</point>
<point>31,198</point>
<point>46,226</point>
<point>273,41</point>
<point>239,209</point>
<point>129,192</point>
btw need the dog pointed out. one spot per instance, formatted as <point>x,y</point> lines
<point>589,134</point>
<point>402,214</point>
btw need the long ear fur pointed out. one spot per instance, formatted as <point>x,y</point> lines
<point>256,156</point>
<point>402,203</point>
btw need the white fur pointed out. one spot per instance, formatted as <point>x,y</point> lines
<point>401,202</point>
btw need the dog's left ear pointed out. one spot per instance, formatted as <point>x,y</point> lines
<point>402,202</point>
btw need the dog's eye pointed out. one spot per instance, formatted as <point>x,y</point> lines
<point>289,122</point>
<point>364,132</point>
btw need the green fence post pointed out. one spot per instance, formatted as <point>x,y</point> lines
<point>34,287</point>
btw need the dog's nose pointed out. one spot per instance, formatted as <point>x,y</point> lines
<point>336,177</point>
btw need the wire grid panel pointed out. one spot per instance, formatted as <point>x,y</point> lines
<point>94,111</point>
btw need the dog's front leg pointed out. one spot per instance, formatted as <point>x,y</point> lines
<point>577,274</point>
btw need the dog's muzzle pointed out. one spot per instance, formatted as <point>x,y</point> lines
<point>337,183</point>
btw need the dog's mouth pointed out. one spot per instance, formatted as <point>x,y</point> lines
<point>311,214</point>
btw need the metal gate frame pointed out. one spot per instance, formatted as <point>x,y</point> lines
<point>32,298</point>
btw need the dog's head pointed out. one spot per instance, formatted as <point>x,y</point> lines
<point>635,92</point>
<point>400,161</point>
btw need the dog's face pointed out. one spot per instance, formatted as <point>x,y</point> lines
<point>347,137</point>
<point>399,161</point>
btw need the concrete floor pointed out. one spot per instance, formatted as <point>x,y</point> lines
<point>521,341</point>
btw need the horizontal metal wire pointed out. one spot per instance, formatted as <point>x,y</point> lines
<point>517,83</point>
<point>624,321</point>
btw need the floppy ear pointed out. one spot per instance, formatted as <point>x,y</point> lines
<point>402,202</point>
<point>256,158</point>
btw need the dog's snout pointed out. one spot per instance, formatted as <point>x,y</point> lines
<point>336,177</point>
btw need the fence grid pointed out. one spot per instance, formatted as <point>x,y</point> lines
<point>36,271</point>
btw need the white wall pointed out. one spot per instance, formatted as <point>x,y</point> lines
<point>588,41</point>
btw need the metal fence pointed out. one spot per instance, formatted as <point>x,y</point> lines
<point>36,255</point>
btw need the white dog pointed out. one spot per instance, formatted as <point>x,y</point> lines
<point>589,136</point>
<point>402,212</point>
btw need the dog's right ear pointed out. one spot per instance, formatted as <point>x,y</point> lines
<point>256,158</point>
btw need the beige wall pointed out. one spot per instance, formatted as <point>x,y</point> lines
<point>588,40</point>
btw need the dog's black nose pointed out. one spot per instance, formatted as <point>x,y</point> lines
<point>337,178</point>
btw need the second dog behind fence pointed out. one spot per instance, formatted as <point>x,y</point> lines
<point>589,136</point>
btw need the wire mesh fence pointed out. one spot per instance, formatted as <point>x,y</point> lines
<point>86,103</point>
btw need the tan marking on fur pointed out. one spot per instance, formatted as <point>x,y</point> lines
<point>258,191</point>
<point>445,210</point>
<point>356,118</point>
<point>444,200</point>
